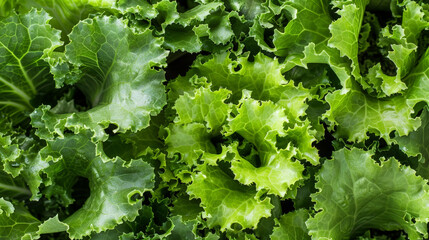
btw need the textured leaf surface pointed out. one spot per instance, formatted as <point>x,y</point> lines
<point>263,77</point>
<point>190,141</point>
<point>112,184</point>
<point>226,201</point>
<point>115,74</point>
<point>260,123</point>
<point>345,31</point>
<point>205,106</point>
<point>292,226</point>
<point>25,40</point>
<point>18,224</point>
<point>356,193</point>
<point>309,24</point>
<point>356,112</point>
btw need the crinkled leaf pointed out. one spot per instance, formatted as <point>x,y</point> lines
<point>190,140</point>
<point>276,176</point>
<point>302,138</point>
<point>116,76</point>
<point>112,184</point>
<point>25,41</point>
<point>292,226</point>
<point>138,7</point>
<point>345,31</point>
<point>403,41</point>
<point>416,144</point>
<point>204,106</point>
<point>20,163</point>
<point>263,77</point>
<point>226,201</point>
<point>66,14</point>
<point>258,123</point>
<point>357,113</point>
<point>356,194</point>
<point>309,24</point>
<point>6,207</point>
<point>18,224</point>
<point>182,229</point>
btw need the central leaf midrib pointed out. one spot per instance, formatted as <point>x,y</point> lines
<point>105,79</point>
<point>20,190</point>
<point>24,73</point>
<point>19,92</point>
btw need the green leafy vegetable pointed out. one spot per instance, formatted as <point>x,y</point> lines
<point>220,119</point>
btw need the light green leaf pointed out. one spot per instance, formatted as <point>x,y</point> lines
<point>117,77</point>
<point>260,77</point>
<point>6,7</point>
<point>65,13</point>
<point>416,144</point>
<point>277,176</point>
<point>205,106</point>
<point>403,44</point>
<point>414,21</point>
<point>260,123</point>
<point>190,140</point>
<point>20,161</point>
<point>357,113</point>
<point>138,7</point>
<point>52,225</point>
<point>6,207</point>
<point>291,226</point>
<point>25,41</point>
<point>302,138</point>
<point>167,12</point>
<point>9,155</point>
<point>357,194</point>
<point>18,224</point>
<point>263,77</point>
<point>226,201</point>
<point>345,31</point>
<point>198,14</point>
<point>309,24</point>
<point>113,184</point>
<point>399,40</point>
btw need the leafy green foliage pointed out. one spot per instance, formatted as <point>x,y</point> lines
<point>356,193</point>
<point>25,41</point>
<point>224,119</point>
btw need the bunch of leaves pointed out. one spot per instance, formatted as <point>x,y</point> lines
<point>233,119</point>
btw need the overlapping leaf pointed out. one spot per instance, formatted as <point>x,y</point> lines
<point>356,194</point>
<point>115,72</point>
<point>25,41</point>
<point>226,201</point>
<point>292,226</point>
<point>112,184</point>
<point>260,124</point>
